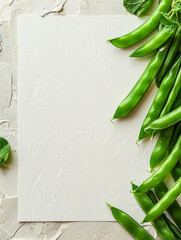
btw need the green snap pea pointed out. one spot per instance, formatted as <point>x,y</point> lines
<point>167,120</point>
<point>176,172</point>
<point>174,210</point>
<point>161,147</point>
<point>155,42</point>
<point>159,175</point>
<point>160,98</point>
<point>164,203</point>
<point>132,227</point>
<point>145,29</point>
<point>172,97</point>
<point>135,95</point>
<point>173,49</point>
<point>159,224</point>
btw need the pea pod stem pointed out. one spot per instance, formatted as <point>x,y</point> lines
<point>135,95</point>
<point>167,120</point>
<point>164,203</point>
<point>132,227</point>
<point>155,42</point>
<point>160,174</point>
<point>145,29</point>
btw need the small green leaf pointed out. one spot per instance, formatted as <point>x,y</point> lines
<point>4,151</point>
<point>137,7</point>
<point>166,20</point>
<point>177,7</point>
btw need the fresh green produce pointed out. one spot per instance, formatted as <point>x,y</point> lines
<point>144,30</point>
<point>155,42</point>
<point>159,224</point>
<point>159,175</point>
<point>167,120</point>
<point>164,203</point>
<point>4,151</point>
<point>174,210</point>
<point>161,147</point>
<point>133,228</point>
<point>137,7</point>
<point>173,50</point>
<point>160,99</point>
<point>133,98</point>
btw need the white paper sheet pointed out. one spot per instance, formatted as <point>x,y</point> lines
<point>72,159</point>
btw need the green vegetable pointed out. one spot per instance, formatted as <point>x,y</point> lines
<point>164,203</point>
<point>159,175</point>
<point>137,7</point>
<point>132,227</point>
<point>159,224</point>
<point>160,99</point>
<point>4,151</point>
<point>155,42</point>
<point>145,29</point>
<point>135,95</point>
<point>173,50</point>
<point>174,210</point>
<point>161,147</point>
<point>167,120</point>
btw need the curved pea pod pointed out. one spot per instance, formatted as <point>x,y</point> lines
<point>145,29</point>
<point>176,90</point>
<point>139,89</point>
<point>131,226</point>
<point>173,50</point>
<point>159,175</point>
<point>159,224</point>
<point>160,98</point>
<point>167,120</point>
<point>161,147</point>
<point>174,210</point>
<point>176,172</point>
<point>155,42</point>
<point>164,203</point>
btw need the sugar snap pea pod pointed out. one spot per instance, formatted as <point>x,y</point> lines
<point>176,172</point>
<point>160,98</point>
<point>155,42</point>
<point>159,224</point>
<point>139,89</point>
<point>160,174</point>
<point>175,136</point>
<point>167,120</point>
<point>174,210</point>
<point>145,29</point>
<point>164,203</point>
<point>161,147</point>
<point>173,49</point>
<point>132,227</point>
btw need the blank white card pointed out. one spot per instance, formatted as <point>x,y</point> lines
<point>72,159</point>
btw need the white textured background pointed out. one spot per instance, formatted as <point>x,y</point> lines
<point>9,226</point>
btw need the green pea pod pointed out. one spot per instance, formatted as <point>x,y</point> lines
<point>176,172</point>
<point>167,120</point>
<point>161,147</point>
<point>139,89</point>
<point>155,42</point>
<point>173,49</point>
<point>159,175</point>
<point>132,227</point>
<point>172,227</point>
<point>174,210</point>
<point>159,224</point>
<point>164,203</point>
<point>160,98</point>
<point>172,98</point>
<point>145,29</point>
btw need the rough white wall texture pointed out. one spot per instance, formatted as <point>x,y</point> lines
<point>10,228</point>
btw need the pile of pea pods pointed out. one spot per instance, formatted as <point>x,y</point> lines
<point>163,118</point>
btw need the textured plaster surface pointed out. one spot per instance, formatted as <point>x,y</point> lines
<point>10,228</point>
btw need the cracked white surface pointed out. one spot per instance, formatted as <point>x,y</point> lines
<point>9,227</point>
